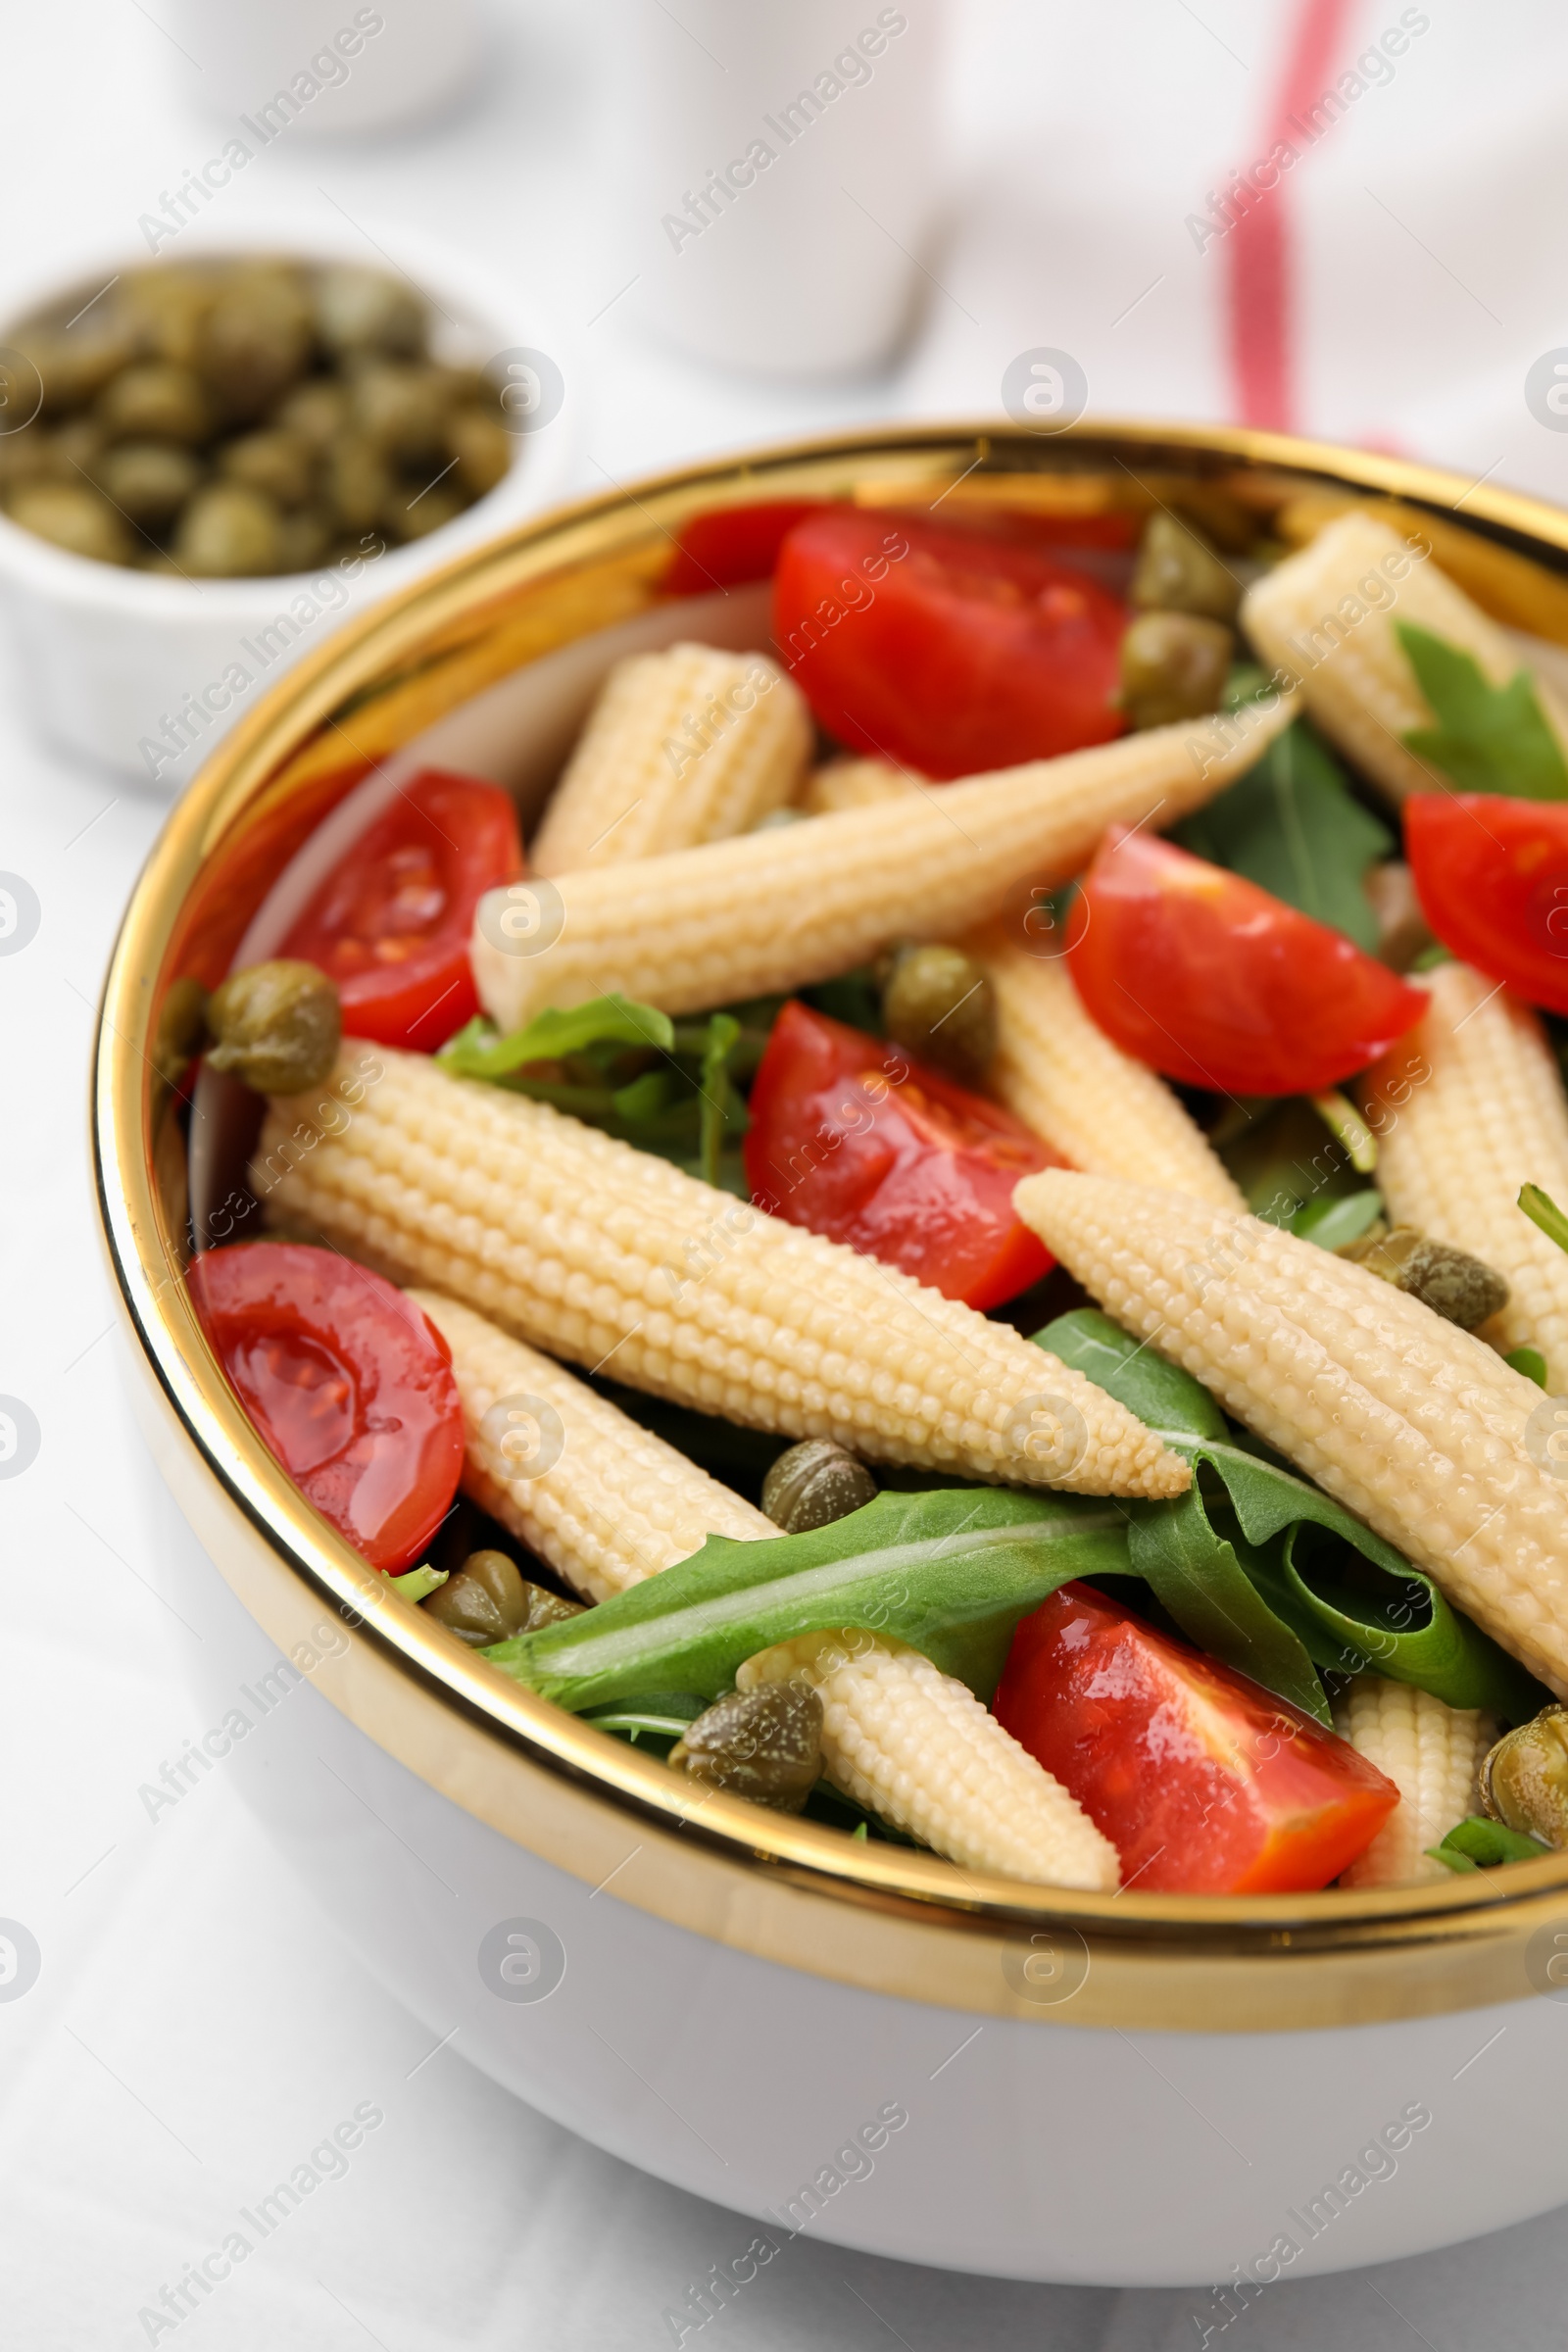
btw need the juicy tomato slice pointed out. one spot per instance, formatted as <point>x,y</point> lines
<point>1204,1783</point>
<point>1492,875</point>
<point>1200,974</point>
<point>852,1138</point>
<point>952,651</point>
<point>731,545</point>
<point>347,1382</point>
<point>391,923</point>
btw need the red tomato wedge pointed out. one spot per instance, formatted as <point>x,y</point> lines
<point>731,545</point>
<point>852,1138</point>
<point>347,1382</point>
<point>1204,1783</point>
<point>1206,977</point>
<point>1492,875</point>
<point>950,650</point>
<point>391,923</point>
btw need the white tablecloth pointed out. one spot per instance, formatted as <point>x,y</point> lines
<point>196,2027</point>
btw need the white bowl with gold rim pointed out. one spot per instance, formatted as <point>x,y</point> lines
<point>860,2041</point>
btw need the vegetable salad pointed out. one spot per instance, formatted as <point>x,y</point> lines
<point>965,1241</point>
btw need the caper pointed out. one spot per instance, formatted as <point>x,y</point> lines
<point>74,368</point>
<point>148,480</point>
<point>414,511</point>
<point>230,532</point>
<point>813,1484</point>
<point>155,400</point>
<point>401,408</point>
<point>1523,1778</point>
<point>73,450</point>
<point>363,310</point>
<point>278,462</point>
<point>254,341</point>
<point>23,457</point>
<point>764,1743</point>
<point>73,516</point>
<point>181,1028</point>
<point>303,539</point>
<point>1173,665</point>
<point>490,1601</point>
<point>1459,1288</point>
<point>940,1006</point>
<point>483,447</point>
<point>357,484</point>
<point>163,310</point>
<point>1178,572</point>
<point>276,1026</point>
<point>314,412</point>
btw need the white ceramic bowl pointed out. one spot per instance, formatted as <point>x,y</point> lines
<point>857,2041</point>
<point>104,657</point>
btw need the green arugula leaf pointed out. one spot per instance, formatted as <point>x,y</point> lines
<point>1542,1210</point>
<point>1347,1600</point>
<point>1487,738</point>
<point>1292,825</point>
<point>1333,1223</point>
<point>1161,1394</point>
<point>478,1051</point>
<point>416,1584</point>
<point>1530,1362</point>
<point>1478,1843</point>
<point>715,1093</point>
<point>950,1571</point>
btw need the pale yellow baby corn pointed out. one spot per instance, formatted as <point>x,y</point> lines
<point>914,1745</point>
<point>603,1501</point>
<point>858,784</point>
<point>780,909</point>
<point>682,746</point>
<point>1412,1423</point>
<point>1432,1753</point>
<point>1468,1106</point>
<point>1061,1074</point>
<point>1327,617</point>
<point>607,1255</point>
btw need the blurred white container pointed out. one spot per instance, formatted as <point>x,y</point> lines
<point>779,168</point>
<point>103,657</point>
<point>344,71</point>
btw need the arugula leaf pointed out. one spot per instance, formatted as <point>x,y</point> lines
<point>1478,1843</point>
<point>950,1571</point>
<point>1336,1596</point>
<point>1333,1223</point>
<point>478,1051</point>
<point>1542,1210</point>
<point>1292,825</point>
<point>1530,1362</point>
<point>417,1583</point>
<point>715,1093</point>
<point>1286,1160</point>
<point>1487,738</point>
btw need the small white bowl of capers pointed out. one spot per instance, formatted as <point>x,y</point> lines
<point>208,456</point>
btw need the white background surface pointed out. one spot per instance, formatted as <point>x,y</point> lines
<point>197,2027</point>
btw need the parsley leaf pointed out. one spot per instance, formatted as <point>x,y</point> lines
<point>1487,738</point>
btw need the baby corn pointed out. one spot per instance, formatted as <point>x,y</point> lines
<point>684,745</point>
<point>1327,617</point>
<point>781,908</point>
<point>1468,1108</point>
<point>858,784</point>
<point>911,1744</point>
<point>604,1501</point>
<point>1405,1419</point>
<point>1432,1753</point>
<point>602,1254</point>
<point>1061,1074</point>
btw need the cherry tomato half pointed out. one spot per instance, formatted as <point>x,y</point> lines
<point>1204,1782</point>
<point>1200,974</point>
<point>1492,875</point>
<point>347,1382</point>
<point>391,923</point>
<point>852,1138</point>
<point>952,651</point>
<point>731,545</point>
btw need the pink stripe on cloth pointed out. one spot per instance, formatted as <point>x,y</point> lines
<point>1261,294</point>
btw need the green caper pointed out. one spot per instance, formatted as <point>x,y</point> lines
<point>363,310</point>
<point>1173,665</point>
<point>1523,1778</point>
<point>303,539</point>
<point>275,462</point>
<point>23,457</point>
<point>182,1029</point>
<point>940,1006</point>
<point>1178,572</point>
<point>155,400</point>
<point>255,340</point>
<point>483,447</point>
<point>74,450</point>
<point>314,412</point>
<point>230,532</point>
<point>1459,1288</point>
<point>163,310</point>
<point>73,516</point>
<point>764,1743</point>
<point>490,1601</point>
<point>357,483</point>
<point>148,480</point>
<point>415,509</point>
<point>402,408</point>
<point>74,368</point>
<point>814,1483</point>
<point>276,1026</point>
